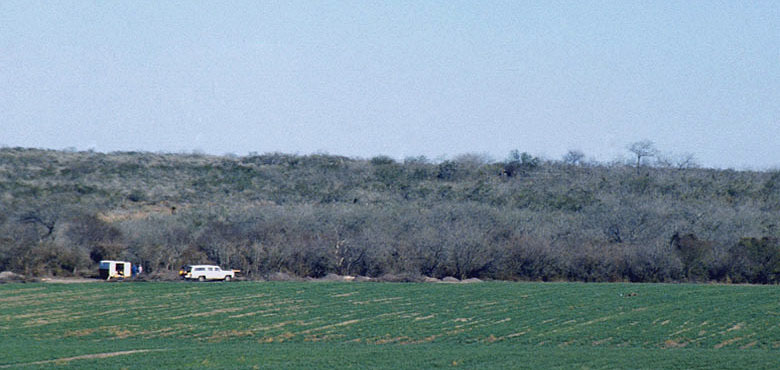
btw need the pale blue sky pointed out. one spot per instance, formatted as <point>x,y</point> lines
<point>362,78</point>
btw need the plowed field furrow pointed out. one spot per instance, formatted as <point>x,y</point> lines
<point>612,317</point>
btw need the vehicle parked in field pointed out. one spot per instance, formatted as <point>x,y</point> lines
<point>207,272</point>
<point>115,269</point>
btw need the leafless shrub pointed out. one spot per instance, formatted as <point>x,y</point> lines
<point>523,218</point>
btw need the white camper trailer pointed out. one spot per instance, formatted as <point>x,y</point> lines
<point>115,269</point>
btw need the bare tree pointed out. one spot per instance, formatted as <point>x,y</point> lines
<point>573,157</point>
<point>685,160</point>
<point>642,149</point>
<point>679,161</point>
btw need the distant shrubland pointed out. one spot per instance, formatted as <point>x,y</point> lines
<point>523,218</point>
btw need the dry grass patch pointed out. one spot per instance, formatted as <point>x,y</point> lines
<point>208,313</point>
<point>36,314</point>
<point>118,332</point>
<point>164,332</point>
<point>254,313</point>
<point>321,338</point>
<point>672,343</point>
<point>343,323</point>
<point>25,299</point>
<point>736,327</point>
<point>65,360</point>
<point>749,345</point>
<point>392,340</point>
<point>600,342</point>
<point>79,333</point>
<point>343,295</point>
<point>277,325</point>
<point>226,334</point>
<point>524,332</point>
<point>601,319</point>
<point>727,342</point>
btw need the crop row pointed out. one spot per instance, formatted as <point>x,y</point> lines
<point>645,316</point>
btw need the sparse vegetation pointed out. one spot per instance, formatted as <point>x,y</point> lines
<point>523,218</point>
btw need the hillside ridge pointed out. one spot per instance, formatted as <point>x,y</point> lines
<point>310,215</point>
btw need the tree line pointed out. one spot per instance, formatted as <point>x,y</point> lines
<point>521,218</point>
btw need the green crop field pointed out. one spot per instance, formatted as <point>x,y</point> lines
<point>368,325</point>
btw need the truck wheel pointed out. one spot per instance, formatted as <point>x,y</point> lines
<point>227,278</point>
<point>202,278</point>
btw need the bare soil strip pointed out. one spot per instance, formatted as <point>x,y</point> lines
<point>84,357</point>
<point>55,280</point>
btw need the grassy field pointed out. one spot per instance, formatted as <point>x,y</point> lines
<point>358,325</point>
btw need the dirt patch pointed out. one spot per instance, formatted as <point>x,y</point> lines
<point>118,332</point>
<point>53,319</point>
<point>427,339</point>
<point>281,276</point>
<point>727,342</point>
<point>736,327</point>
<point>69,280</point>
<point>681,331</point>
<point>566,344</point>
<point>517,334</point>
<point>600,342</point>
<point>24,298</point>
<point>83,357</point>
<point>334,277</point>
<point>751,344</point>
<point>377,300</point>
<point>222,335</point>
<point>392,340</point>
<point>209,313</point>
<point>321,338</point>
<point>344,323</point>
<point>272,312</point>
<point>79,333</point>
<point>39,313</point>
<point>277,325</point>
<point>138,213</point>
<point>600,319</point>
<point>671,343</point>
<point>343,295</point>
<point>164,332</point>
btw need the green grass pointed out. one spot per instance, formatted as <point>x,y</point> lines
<point>358,325</point>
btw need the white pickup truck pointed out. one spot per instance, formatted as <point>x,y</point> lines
<point>207,272</point>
